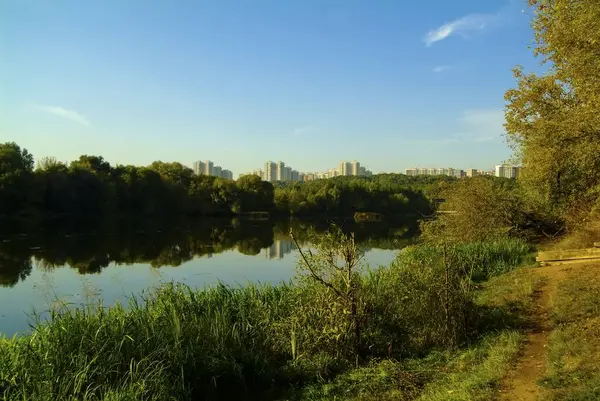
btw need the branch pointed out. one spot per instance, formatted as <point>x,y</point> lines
<point>312,272</point>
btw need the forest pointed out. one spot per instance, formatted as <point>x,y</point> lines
<point>90,186</point>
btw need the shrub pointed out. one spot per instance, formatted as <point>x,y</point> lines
<point>488,208</point>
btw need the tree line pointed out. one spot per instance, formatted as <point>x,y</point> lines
<point>90,186</point>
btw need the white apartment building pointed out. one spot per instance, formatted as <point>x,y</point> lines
<point>354,168</point>
<point>452,172</point>
<point>345,168</point>
<point>270,173</point>
<point>227,174</point>
<point>203,168</point>
<point>472,172</point>
<point>280,171</point>
<point>507,171</point>
<point>208,168</point>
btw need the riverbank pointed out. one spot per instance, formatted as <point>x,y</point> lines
<point>279,342</point>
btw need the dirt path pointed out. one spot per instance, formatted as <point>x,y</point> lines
<point>521,385</point>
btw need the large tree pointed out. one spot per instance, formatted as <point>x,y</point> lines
<point>16,165</point>
<point>553,119</point>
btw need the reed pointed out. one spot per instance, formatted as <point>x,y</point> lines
<point>247,342</point>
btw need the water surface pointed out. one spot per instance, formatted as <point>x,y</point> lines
<point>109,262</point>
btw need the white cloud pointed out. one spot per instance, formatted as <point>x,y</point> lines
<point>303,130</point>
<point>65,113</point>
<point>441,68</point>
<point>462,26</point>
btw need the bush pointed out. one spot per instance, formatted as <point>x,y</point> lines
<point>488,208</point>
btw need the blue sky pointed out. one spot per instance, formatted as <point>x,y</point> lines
<point>393,84</point>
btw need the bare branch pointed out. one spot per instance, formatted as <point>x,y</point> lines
<point>310,268</point>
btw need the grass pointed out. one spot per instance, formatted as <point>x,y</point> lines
<point>573,372</point>
<point>480,260</point>
<point>469,373</point>
<point>259,341</point>
<point>475,373</point>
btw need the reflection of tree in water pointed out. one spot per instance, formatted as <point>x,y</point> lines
<point>92,249</point>
<point>15,260</point>
<point>14,267</point>
<point>250,246</point>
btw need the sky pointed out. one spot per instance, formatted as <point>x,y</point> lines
<point>392,84</point>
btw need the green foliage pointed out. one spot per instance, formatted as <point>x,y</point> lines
<point>579,297</point>
<point>478,260</point>
<point>387,194</point>
<point>90,186</point>
<point>336,267</point>
<point>488,208</point>
<point>476,373</point>
<point>552,120</point>
<point>381,381</point>
<point>16,166</point>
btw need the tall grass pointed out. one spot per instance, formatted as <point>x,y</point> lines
<point>244,343</point>
<point>480,260</point>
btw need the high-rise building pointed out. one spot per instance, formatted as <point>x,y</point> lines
<point>208,168</point>
<point>452,172</point>
<point>354,168</point>
<point>295,175</point>
<point>287,174</point>
<point>270,173</point>
<point>280,171</point>
<point>227,174</point>
<point>472,172</point>
<point>198,168</point>
<point>362,171</point>
<point>203,168</point>
<point>345,168</point>
<point>507,171</point>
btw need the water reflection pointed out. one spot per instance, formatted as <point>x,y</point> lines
<point>279,248</point>
<point>91,247</point>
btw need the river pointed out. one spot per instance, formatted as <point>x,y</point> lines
<point>53,265</point>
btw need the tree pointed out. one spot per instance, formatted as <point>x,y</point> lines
<point>14,160</point>
<point>336,267</point>
<point>552,120</point>
<point>486,208</point>
<point>254,194</point>
<point>16,166</point>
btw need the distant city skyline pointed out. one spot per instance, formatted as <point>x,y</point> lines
<point>501,170</point>
<point>278,171</point>
<point>208,167</point>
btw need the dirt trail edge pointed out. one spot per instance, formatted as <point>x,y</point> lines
<point>521,384</point>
